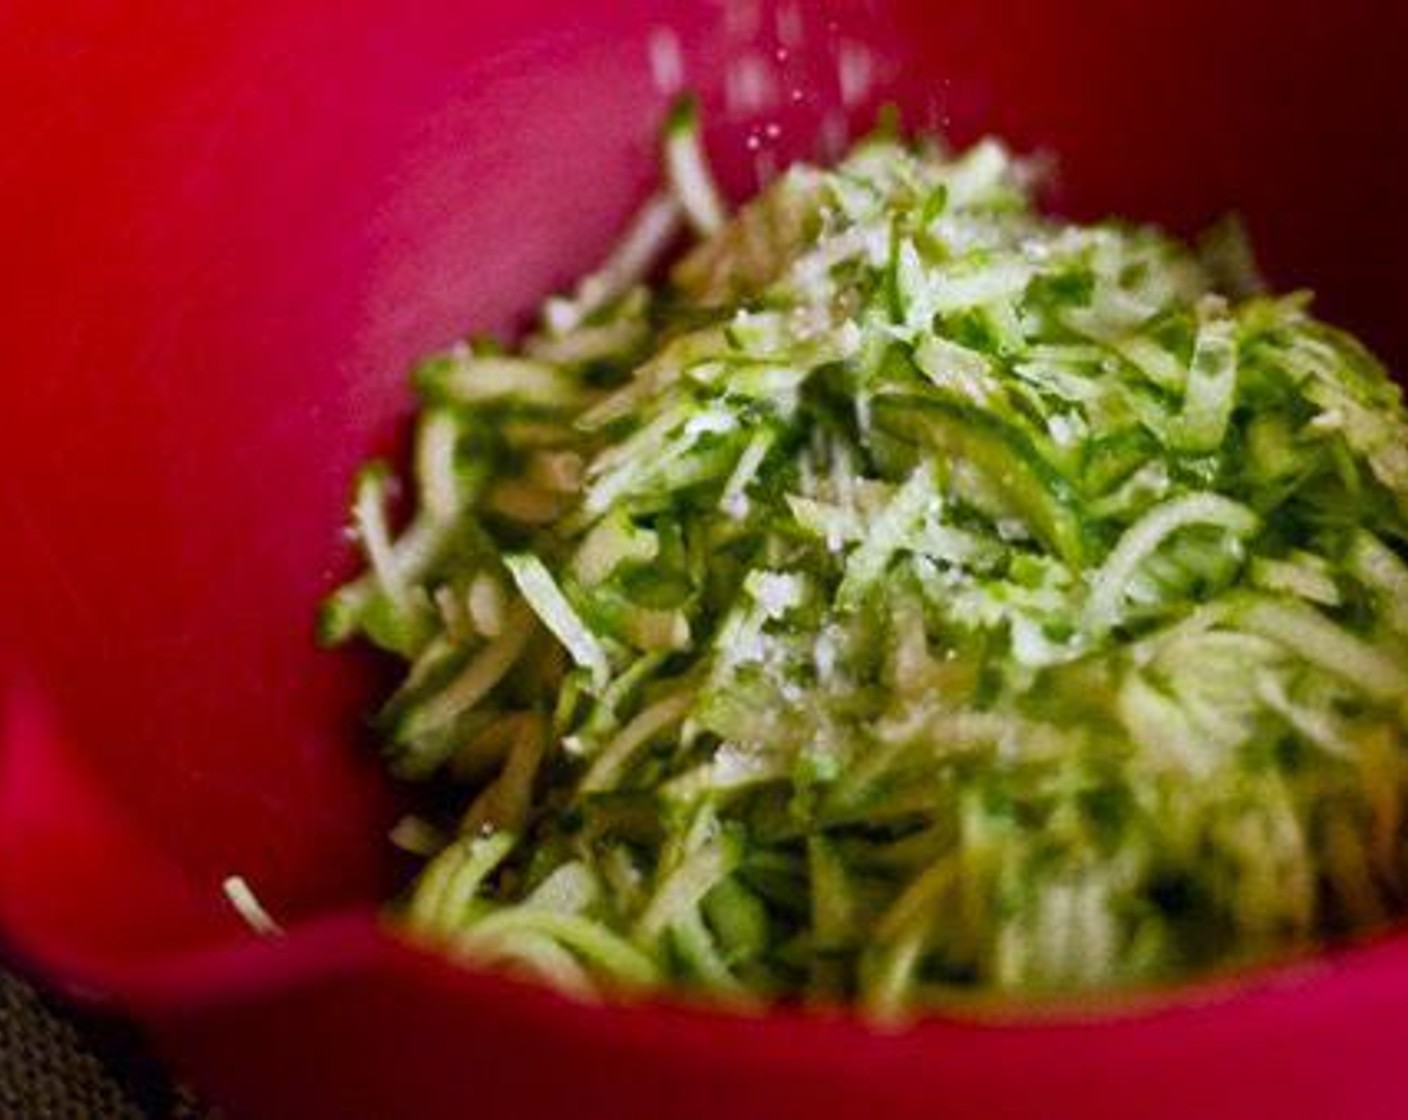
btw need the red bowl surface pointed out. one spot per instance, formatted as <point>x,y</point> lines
<point>229,227</point>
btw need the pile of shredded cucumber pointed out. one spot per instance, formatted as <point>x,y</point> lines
<point>912,597</point>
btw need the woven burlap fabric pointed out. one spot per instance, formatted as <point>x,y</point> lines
<point>53,1067</point>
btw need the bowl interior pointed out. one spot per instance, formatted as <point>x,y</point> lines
<point>234,226</point>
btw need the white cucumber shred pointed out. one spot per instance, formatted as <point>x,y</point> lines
<point>247,906</point>
<point>688,171</point>
<point>537,586</point>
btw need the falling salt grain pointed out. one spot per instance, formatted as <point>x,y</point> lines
<point>788,19</point>
<point>855,71</point>
<point>832,135</point>
<point>666,60</point>
<point>742,19</point>
<point>749,85</point>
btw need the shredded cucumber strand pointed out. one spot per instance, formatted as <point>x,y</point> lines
<point>1110,583</point>
<point>688,170</point>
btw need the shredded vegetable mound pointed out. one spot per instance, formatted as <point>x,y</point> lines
<point>909,597</point>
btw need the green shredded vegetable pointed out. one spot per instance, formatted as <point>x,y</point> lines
<point>910,597</point>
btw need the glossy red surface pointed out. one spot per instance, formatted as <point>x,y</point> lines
<point>227,229</point>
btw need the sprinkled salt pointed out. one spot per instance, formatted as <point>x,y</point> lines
<point>666,60</point>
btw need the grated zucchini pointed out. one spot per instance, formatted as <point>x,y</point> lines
<point>909,596</point>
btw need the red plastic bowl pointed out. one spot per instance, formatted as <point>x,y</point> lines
<point>228,227</point>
